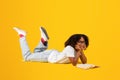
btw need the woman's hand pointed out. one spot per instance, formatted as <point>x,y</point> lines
<point>74,60</point>
<point>80,53</point>
<point>78,48</point>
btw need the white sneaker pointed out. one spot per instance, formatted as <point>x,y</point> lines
<point>20,31</point>
<point>44,34</point>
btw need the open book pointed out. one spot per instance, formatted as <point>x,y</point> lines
<point>86,66</point>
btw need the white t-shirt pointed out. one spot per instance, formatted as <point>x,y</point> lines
<point>62,57</point>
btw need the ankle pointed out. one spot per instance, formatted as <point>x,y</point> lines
<point>44,42</point>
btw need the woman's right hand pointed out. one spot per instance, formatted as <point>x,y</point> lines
<point>78,48</point>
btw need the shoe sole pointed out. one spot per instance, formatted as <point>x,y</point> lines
<point>45,32</point>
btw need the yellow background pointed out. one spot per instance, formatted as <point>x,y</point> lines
<point>99,19</point>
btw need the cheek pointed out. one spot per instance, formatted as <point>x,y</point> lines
<point>83,45</point>
<point>78,44</point>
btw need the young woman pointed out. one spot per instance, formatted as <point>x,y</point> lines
<point>74,49</point>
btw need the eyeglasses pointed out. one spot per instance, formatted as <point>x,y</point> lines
<point>81,41</point>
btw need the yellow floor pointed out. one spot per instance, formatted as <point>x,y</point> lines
<point>99,19</point>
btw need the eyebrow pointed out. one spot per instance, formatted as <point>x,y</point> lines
<point>81,41</point>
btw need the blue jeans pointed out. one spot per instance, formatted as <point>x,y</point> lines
<point>40,53</point>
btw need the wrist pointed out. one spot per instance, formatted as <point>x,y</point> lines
<point>78,54</point>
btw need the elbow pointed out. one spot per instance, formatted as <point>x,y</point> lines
<point>74,64</point>
<point>73,61</point>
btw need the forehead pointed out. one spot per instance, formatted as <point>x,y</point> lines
<point>81,39</point>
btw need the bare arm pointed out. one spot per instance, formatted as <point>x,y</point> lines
<point>79,54</point>
<point>83,58</point>
<point>74,60</point>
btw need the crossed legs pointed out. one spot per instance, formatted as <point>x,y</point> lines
<point>40,52</point>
